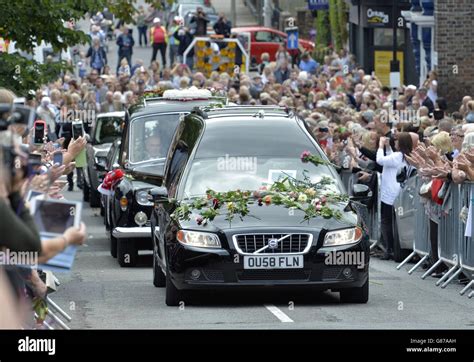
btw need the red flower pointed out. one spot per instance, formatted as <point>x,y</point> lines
<point>215,203</point>
<point>260,201</point>
<point>267,199</point>
<point>305,156</point>
<point>209,196</point>
<point>199,220</point>
<point>323,200</point>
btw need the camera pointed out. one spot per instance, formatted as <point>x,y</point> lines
<point>15,114</point>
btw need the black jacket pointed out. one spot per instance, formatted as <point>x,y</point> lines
<point>184,42</point>
<point>222,27</point>
<point>17,229</point>
<point>428,103</point>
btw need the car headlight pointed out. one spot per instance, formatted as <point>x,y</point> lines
<point>200,239</point>
<point>142,198</point>
<point>343,237</point>
<point>140,218</point>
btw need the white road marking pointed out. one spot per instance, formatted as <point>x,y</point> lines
<point>278,313</point>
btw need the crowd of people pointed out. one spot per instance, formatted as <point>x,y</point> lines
<point>363,127</point>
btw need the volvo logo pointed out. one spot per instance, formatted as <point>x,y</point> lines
<point>273,243</point>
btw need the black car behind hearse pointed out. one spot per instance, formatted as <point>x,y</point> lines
<point>106,129</point>
<point>149,129</point>
<point>249,200</point>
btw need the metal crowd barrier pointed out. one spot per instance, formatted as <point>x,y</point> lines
<point>449,236</point>
<point>466,244</point>
<point>454,248</point>
<point>421,241</point>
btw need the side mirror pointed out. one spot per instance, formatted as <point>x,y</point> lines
<point>100,167</point>
<point>158,194</point>
<point>360,192</point>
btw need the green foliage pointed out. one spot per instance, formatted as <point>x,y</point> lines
<point>342,13</point>
<point>20,74</point>
<point>28,23</point>
<point>334,24</point>
<point>322,28</point>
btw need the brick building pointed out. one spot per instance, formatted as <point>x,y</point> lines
<point>441,37</point>
<point>454,44</point>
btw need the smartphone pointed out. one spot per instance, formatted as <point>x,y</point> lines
<point>34,164</point>
<point>77,130</point>
<point>58,158</point>
<point>39,132</point>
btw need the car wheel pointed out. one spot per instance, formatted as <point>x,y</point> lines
<point>127,253</point>
<point>113,244</point>
<point>159,278</point>
<point>173,295</point>
<point>355,295</point>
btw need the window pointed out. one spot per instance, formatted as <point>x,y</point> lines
<point>383,37</point>
<point>263,36</point>
<point>107,129</point>
<point>150,136</point>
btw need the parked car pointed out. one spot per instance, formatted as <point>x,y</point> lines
<point>267,40</point>
<point>149,128</point>
<point>107,128</point>
<point>268,247</point>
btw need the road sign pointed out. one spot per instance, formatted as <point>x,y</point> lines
<point>318,4</point>
<point>292,38</point>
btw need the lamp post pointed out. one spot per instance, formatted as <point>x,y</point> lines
<point>394,64</point>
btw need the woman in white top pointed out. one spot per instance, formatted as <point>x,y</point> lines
<point>390,188</point>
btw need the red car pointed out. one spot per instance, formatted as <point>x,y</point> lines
<point>267,40</point>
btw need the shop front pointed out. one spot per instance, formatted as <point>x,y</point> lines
<point>371,38</point>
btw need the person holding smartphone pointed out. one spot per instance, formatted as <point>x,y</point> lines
<point>391,160</point>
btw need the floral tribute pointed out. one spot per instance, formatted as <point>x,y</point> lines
<point>314,200</point>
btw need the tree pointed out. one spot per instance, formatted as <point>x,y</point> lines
<point>28,23</point>
<point>342,14</point>
<point>334,22</point>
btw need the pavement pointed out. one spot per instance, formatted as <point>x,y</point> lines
<point>99,294</point>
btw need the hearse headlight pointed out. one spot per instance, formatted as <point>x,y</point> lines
<point>142,198</point>
<point>140,218</point>
<point>200,239</point>
<point>343,237</point>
